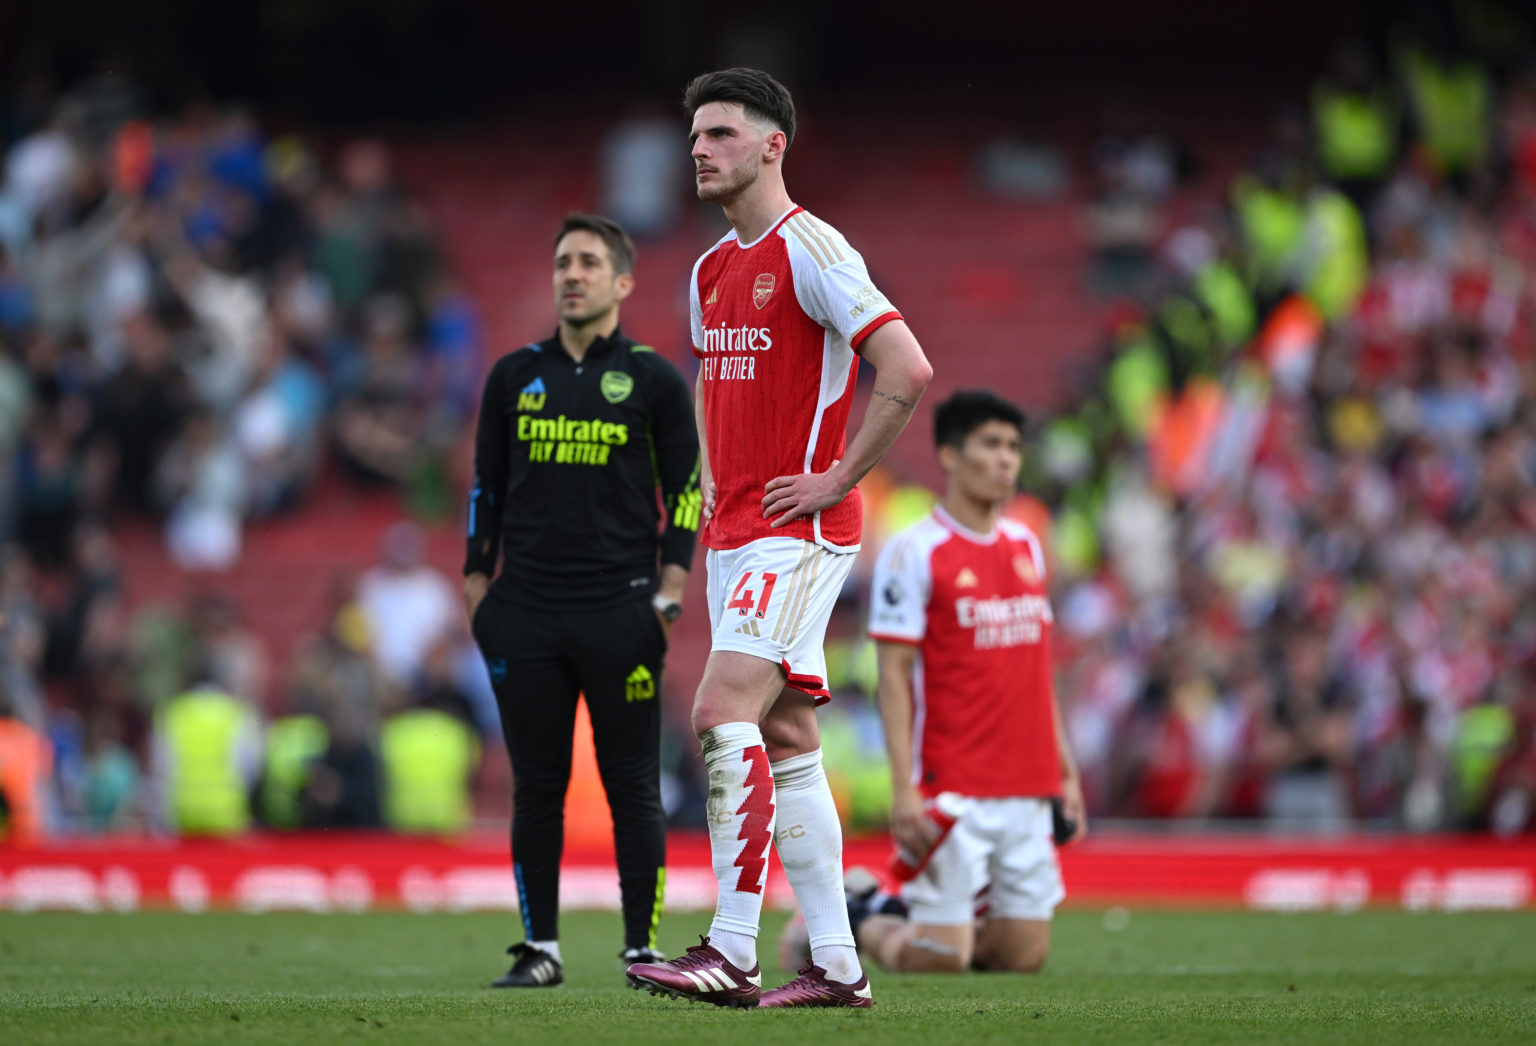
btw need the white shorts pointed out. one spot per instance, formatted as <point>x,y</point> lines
<point>772,598</point>
<point>998,845</point>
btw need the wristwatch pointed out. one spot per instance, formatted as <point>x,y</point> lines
<point>669,609</point>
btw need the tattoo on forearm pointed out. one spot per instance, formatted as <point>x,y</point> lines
<point>894,399</point>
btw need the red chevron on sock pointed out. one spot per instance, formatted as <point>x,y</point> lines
<point>757,826</point>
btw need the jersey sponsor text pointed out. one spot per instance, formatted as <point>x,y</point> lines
<point>737,339</point>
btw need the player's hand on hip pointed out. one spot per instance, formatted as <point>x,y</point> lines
<point>912,831</point>
<point>802,495</point>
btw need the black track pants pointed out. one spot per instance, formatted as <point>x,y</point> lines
<point>539,661</point>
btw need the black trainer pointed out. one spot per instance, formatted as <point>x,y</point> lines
<point>531,969</point>
<point>634,955</point>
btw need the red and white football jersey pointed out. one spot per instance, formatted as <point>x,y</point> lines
<point>777,325</point>
<point>975,607</point>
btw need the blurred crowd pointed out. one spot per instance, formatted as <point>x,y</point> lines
<point>198,325</point>
<point>1295,504</point>
<point>1292,505</point>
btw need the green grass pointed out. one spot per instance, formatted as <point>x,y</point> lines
<point>1175,977</point>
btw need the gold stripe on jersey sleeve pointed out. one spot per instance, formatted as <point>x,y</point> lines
<point>829,236</point>
<point>821,246</point>
<point>812,229</point>
<point>823,235</point>
<point>813,248</point>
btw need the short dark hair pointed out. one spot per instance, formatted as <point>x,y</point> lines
<point>968,410</point>
<point>760,96</point>
<point>621,249</point>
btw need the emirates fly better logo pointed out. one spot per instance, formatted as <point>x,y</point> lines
<point>762,289</point>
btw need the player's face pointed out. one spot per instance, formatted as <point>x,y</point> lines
<point>586,286</point>
<point>986,467</point>
<point>727,151</point>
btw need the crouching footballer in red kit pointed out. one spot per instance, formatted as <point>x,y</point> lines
<point>959,611</point>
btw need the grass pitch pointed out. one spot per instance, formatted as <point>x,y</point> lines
<point>1167,977</point>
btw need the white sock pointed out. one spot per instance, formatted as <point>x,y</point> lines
<point>551,948</point>
<point>810,842</point>
<point>740,810</point>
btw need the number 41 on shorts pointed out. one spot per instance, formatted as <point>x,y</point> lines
<point>743,598</point>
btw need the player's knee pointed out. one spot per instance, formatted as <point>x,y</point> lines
<point>709,713</point>
<point>1023,959</point>
<point>790,729</point>
<point>718,703</point>
<point>787,740</point>
<point>1031,961</point>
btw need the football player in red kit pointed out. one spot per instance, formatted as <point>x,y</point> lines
<point>958,608</point>
<point>782,311</point>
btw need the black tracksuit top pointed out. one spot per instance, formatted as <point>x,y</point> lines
<point>568,460</point>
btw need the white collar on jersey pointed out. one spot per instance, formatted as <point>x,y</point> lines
<point>964,531</point>
<point>776,223</point>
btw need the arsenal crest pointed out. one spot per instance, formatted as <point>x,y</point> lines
<point>1024,566</point>
<point>762,289</point>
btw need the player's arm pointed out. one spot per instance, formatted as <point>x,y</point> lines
<point>675,436</point>
<point>897,662</point>
<point>902,372</point>
<point>482,541</point>
<point>1072,802</point>
<point>706,477</point>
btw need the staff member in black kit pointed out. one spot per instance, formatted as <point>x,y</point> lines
<point>575,435</point>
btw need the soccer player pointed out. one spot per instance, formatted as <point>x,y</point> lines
<point>576,433</point>
<point>782,309</point>
<point>959,612</point>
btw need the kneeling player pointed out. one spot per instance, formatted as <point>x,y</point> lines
<point>959,611</point>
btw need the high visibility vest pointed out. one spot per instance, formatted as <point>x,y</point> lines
<point>1076,528</point>
<point>428,757</point>
<point>207,793</point>
<point>1189,333</point>
<point>1341,265</point>
<point>1355,133</point>
<point>1453,109</point>
<point>1272,224</point>
<point>293,742</point>
<point>1137,382</point>
<point>1483,734</point>
<point>1221,290</point>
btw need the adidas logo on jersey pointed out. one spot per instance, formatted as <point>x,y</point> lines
<point>714,295</point>
<point>966,579</point>
<point>532,396</point>
<point>749,628</point>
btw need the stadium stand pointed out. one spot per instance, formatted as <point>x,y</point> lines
<point>1261,409</point>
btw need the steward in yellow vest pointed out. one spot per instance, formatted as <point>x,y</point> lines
<point>207,752</point>
<point>429,759</point>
